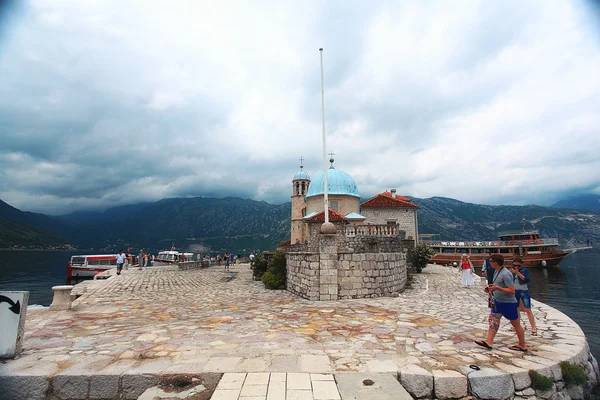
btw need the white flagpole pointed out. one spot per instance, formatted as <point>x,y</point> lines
<point>325,185</point>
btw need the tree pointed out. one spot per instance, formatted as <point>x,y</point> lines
<point>419,256</point>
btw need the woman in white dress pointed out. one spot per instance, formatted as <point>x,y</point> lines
<point>467,271</point>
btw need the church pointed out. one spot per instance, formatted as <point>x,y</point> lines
<point>345,208</point>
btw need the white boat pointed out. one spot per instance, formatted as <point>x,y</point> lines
<point>90,264</point>
<point>173,256</point>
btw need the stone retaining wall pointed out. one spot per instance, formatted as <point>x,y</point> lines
<point>371,274</point>
<point>106,387</point>
<point>347,267</point>
<point>303,274</point>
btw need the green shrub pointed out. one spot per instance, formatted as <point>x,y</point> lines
<point>277,263</point>
<point>259,266</point>
<point>540,382</point>
<point>419,256</point>
<point>573,374</point>
<point>271,280</point>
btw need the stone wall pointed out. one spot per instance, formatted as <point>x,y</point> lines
<point>405,218</point>
<point>331,267</point>
<point>371,274</point>
<point>303,274</point>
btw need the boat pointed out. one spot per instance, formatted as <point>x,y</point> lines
<point>89,265</point>
<point>172,256</point>
<point>527,244</point>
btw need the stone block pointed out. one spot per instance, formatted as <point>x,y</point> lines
<point>520,376</point>
<point>549,394</point>
<point>416,380</point>
<point>18,387</point>
<point>104,387</point>
<point>490,383</point>
<point>576,392</point>
<point>449,384</point>
<point>61,299</point>
<point>72,387</point>
<point>132,386</point>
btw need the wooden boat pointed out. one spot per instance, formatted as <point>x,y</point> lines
<point>534,250</point>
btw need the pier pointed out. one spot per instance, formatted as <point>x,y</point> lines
<point>202,332</point>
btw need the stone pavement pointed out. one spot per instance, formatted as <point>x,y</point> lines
<point>164,321</point>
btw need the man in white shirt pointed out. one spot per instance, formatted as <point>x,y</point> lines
<point>120,261</point>
<point>251,257</point>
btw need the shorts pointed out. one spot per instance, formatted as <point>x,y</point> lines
<point>508,310</point>
<point>119,266</point>
<point>524,296</point>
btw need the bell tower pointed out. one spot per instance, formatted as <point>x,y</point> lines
<point>299,188</point>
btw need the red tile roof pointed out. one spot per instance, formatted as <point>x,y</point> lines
<point>333,216</point>
<point>389,194</point>
<point>385,199</point>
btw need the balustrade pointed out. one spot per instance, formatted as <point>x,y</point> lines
<point>370,230</point>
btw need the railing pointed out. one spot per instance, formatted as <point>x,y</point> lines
<point>547,242</point>
<point>371,230</point>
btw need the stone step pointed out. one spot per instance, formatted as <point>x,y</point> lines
<point>384,387</point>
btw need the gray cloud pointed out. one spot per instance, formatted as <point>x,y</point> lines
<point>106,104</point>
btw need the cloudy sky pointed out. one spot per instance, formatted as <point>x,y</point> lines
<point>105,103</point>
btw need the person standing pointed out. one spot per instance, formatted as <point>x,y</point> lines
<point>145,259</point>
<point>251,257</point>
<point>504,303</point>
<point>120,261</point>
<point>521,275</point>
<point>140,259</point>
<point>487,271</point>
<point>467,271</point>
<point>227,260</point>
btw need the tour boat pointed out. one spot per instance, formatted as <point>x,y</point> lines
<point>172,256</point>
<point>534,250</point>
<point>90,265</point>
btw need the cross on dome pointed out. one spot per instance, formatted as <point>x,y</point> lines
<point>331,160</point>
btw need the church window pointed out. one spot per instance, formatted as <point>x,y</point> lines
<point>334,205</point>
<point>297,188</point>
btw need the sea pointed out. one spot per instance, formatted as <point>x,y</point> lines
<point>572,288</point>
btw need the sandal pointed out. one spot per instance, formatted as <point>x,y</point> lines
<point>517,348</point>
<point>482,343</point>
<point>534,333</point>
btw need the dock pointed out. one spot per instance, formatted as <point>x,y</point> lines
<point>206,333</point>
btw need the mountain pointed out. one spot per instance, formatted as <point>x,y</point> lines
<point>23,229</point>
<point>188,223</point>
<point>243,225</point>
<point>581,202</point>
<point>453,219</point>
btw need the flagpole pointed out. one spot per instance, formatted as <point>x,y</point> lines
<point>325,185</point>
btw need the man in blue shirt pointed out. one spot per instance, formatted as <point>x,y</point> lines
<point>504,304</point>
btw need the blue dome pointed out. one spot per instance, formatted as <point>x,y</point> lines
<point>338,182</point>
<point>302,175</point>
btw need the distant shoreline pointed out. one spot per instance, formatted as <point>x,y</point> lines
<point>9,249</point>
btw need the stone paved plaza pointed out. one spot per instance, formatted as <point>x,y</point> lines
<point>161,321</point>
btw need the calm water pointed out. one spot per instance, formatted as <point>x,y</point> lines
<point>572,288</point>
